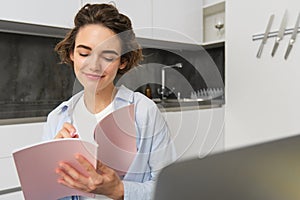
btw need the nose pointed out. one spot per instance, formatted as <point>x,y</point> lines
<point>94,64</point>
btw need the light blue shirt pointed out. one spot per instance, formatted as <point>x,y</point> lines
<point>155,148</point>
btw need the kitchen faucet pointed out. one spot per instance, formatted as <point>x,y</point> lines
<point>163,91</point>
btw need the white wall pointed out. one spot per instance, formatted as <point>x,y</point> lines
<point>262,95</point>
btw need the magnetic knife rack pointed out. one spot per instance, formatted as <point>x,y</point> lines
<point>271,34</point>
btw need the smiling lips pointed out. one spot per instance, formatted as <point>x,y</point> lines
<point>94,76</point>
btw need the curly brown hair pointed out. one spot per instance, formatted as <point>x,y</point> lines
<point>108,16</point>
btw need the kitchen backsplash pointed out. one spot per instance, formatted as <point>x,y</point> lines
<point>33,82</point>
<point>203,68</point>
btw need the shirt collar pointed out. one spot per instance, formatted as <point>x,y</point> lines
<point>125,94</point>
<point>70,104</point>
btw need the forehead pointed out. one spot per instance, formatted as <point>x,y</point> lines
<point>98,37</point>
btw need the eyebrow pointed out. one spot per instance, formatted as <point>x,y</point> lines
<point>110,52</point>
<point>104,51</point>
<point>84,47</point>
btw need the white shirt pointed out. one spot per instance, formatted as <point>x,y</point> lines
<point>85,123</point>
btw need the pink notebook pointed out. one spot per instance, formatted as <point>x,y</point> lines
<point>117,142</point>
<point>36,167</point>
<point>36,164</point>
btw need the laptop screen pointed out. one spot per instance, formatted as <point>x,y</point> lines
<point>267,171</point>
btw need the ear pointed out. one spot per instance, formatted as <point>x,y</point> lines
<point>123,64</point>
<point>72,56</point>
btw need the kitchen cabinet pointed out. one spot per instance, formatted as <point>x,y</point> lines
<point>175,21</point>
<point>139,12</point>
<point>178,21</point>
<point>51,13</point>
<point>197,133</point>
<point>14,137</point>
<point>13,196</point>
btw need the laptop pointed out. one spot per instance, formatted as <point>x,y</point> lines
<point>268,171</point>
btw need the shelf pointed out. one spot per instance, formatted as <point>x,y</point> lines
<point>154,43</point>
<point>214,16</point>
<point>213,43</point>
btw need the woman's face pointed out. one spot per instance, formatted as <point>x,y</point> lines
<point>96,57</point>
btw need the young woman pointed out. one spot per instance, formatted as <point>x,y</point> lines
<point>101,45</point>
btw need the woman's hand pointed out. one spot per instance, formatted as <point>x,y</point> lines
<point>102,180</point>
<point>68,131</point>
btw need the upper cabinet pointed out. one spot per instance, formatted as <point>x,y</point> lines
<point>213,21</point>
<point>51,13</point>
<point>176,21</point>
<point>140,13</point>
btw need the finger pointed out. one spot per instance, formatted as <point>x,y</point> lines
<point>68,181</point>
<point>70,128</point>
<point>63,133</point>
<point>103,168</point>
<point>73,173</point>
<point>95,178</point>
<point>68,131</point>
<point>58,136</point>
<point>85,163</point>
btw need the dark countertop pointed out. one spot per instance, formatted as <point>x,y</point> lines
<point>174,106</point>
<point>37,112</point>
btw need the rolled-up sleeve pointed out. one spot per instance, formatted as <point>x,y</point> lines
<point>156,150</point>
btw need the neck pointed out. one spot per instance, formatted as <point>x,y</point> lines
<point>99,100</point>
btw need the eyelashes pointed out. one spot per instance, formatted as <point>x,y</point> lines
<point>105,58</point>
<point>83,54</point>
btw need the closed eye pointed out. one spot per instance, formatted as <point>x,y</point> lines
<point>83,54</point>
<point>109,59</point>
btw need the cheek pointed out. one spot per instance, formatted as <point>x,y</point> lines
<point>78,63</point>
<point>112,68</point>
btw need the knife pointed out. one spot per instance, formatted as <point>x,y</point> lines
<point>280,33</point>
<point>293,38</point>
<point>264,40</point>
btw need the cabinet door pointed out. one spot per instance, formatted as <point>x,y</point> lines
<point>52,13</point>
<point>178,21</point>
<point>12,196</point>
<point>15,137</point>
<point>196,133</point>
<point>139,12</point>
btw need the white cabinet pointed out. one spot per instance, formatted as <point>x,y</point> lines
<point>197,133</point>
<point>178,21</point>
<point>13,196</point>
<point>14,137</point>
<point>52,13</point>
<point>139,12</point>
